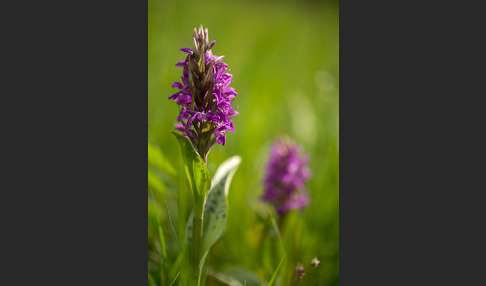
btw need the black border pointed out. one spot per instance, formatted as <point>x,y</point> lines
<point>409,205</point>
<point>76,205</point>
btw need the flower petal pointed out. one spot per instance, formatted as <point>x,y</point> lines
<point>187,51</point>
<point>181,64</point>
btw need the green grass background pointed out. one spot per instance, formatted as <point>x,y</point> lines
<point>284,56</point>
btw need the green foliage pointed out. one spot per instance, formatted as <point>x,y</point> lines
<point>151,280</point>
<point>234,275</point>
<point>196,171</point>
<point>172,283</point>
<point>274,276</point>
<point>157,159</point>
<point>227,280</point>
<point>216,208</point>
<point>155,182</point>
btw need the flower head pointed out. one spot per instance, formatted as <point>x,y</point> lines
<point>299,272</point>
<point>286,175</point>
<point>204,95</point>
<point>314,262</point>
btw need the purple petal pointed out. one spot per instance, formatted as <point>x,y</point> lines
<point>187,51</point>
<point>177,85</point>
<point>221,65</point>
<point>181,128</point>
<point>181,64</point>
<point>221,138</point>
<point>174,96</point>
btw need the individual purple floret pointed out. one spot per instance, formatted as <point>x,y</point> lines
<point>204,95</point>
<point>286,174</point>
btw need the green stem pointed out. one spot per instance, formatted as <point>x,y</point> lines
<point>197,230</point>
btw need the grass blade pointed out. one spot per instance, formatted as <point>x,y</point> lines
<point>162,241</point>
<point>170,221</point>
<point>151,281</point>
<point>274,276</point>
<point>175,278</point>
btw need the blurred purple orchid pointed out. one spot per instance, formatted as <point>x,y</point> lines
<point>286,174</point>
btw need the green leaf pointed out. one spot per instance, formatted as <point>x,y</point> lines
<point>157,159</point>
<point>234,275</point>
<point>216,207</point>
<point>196,170</point>
<point>200,270</point>
<point>226,279</point>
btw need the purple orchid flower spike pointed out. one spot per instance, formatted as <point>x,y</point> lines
<point>286,174</point>
<point>204,95</point>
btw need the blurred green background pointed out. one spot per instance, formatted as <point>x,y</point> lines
<point>284,56</point>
